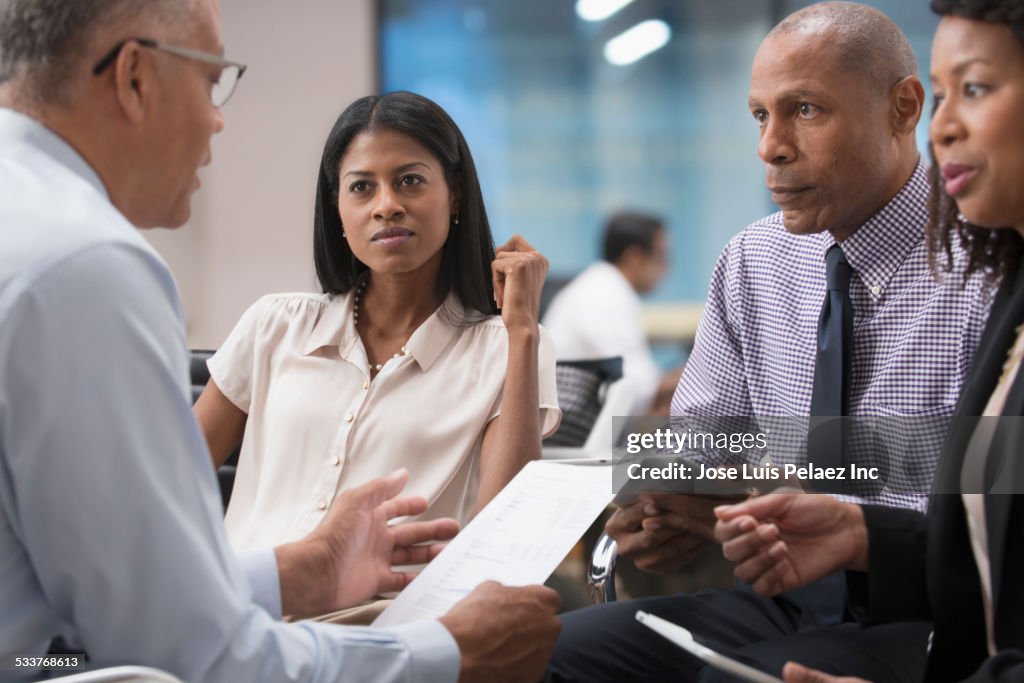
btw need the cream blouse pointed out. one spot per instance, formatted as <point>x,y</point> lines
<point>317,425</point>
<point>972,479</point>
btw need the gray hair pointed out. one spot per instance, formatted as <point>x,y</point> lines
<point>866,40</point>
<point>45,41</point>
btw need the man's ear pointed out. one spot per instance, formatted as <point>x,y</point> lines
<point>133,75</point>
<point>906,104</point>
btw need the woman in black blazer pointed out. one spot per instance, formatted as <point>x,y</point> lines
<point>962,565</point>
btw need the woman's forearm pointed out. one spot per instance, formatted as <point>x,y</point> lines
<point>513,438</point>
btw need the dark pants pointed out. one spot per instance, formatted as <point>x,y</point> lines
<point>606,643</point>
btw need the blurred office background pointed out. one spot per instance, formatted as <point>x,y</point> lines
<point>566,121</point>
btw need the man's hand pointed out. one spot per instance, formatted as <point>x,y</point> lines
<point>798,673</point>
<point>504,634</point>
<point>784,541</point>
<point>349,557</point>
<point>661,532</point>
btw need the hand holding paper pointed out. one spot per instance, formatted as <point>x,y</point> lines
<point>504,634</point>
<point>356,548</point>
<point>517,540</point>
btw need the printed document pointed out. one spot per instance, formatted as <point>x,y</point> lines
<point>518,539</point>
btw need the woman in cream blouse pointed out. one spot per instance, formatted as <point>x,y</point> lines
<point>402,361</point>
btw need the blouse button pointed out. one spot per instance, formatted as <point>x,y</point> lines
<point>335,460</point>
<point>321,504</point>
<point>349,417</point>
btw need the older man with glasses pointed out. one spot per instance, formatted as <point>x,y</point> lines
<point>223,87</point>
<point>110,529</point>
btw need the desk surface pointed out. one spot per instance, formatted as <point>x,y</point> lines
<point>672,322</point>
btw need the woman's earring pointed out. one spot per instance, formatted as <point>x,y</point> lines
<point>455,218</point>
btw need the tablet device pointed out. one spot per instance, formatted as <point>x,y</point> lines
<point>684,639</point>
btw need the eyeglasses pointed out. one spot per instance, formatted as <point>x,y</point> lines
<point>222,89</point>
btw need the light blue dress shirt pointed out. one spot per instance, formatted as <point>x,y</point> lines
<point>110,520</point>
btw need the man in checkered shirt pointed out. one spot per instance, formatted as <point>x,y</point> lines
<point>836,95</point>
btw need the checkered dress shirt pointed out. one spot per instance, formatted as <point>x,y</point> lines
<point>914,335</point>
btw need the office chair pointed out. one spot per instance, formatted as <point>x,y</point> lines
<point>590,393</point>
<point>200,375</point>
<point>601,572</point>
<point>120,674</point>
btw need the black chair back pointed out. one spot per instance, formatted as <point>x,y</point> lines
<point>200,375</point>
<point>581,386</point>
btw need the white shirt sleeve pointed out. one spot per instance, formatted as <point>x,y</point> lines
<point>115,520</point>
<point>233,365</point>
<point>598,315</point>
<point>260,567</point>
<point>551,414</point>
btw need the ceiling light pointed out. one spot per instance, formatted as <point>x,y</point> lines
<point>596,10</point>
<point>637,42</point>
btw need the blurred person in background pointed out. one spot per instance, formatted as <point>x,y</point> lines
<point>599,313</point>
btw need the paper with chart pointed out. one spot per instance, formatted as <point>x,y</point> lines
<point>518,539</point>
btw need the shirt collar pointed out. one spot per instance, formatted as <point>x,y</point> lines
<point>432,337</point>
<point>611,271</point>
<point>336,327</point>
<point>20,131</point>
<point>878,248</point>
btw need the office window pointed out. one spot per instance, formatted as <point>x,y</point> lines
<point>562,136</point>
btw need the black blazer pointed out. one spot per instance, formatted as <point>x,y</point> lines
<point>923,568</point>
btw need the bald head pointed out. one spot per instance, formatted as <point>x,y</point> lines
<point>836,97</point>
<point>45,45</point>
<point>864,40</point>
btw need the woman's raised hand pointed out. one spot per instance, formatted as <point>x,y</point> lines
<point>518,271</point>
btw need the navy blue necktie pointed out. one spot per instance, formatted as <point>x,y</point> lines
<point>830,393</point>
<point>830,397</point>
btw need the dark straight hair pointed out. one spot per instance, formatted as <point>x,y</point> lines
<point>626,229</point>
<point>468,251</point>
